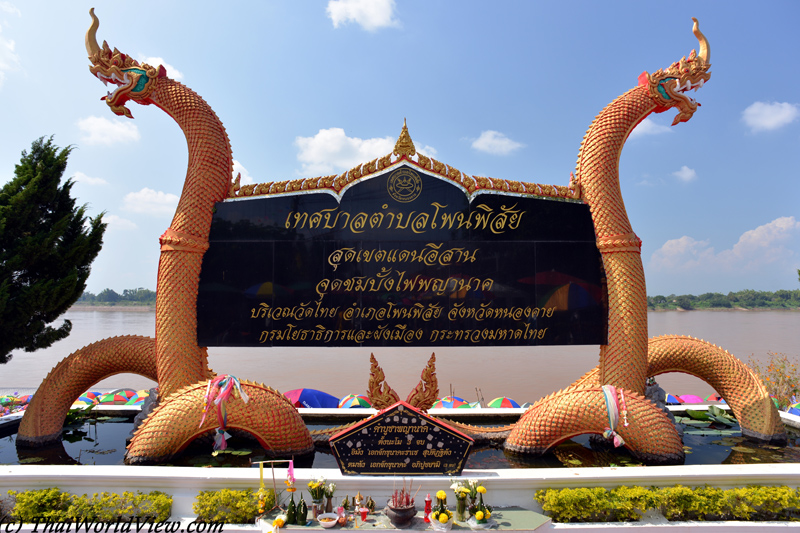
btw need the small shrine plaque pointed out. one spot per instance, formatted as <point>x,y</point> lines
<point>401,440</point>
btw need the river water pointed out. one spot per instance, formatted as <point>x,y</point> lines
<point>525,374</point>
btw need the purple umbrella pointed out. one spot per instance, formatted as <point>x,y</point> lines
<point>691,398</point>
<point>311,398</point>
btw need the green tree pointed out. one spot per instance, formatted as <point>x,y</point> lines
<point>108,295</point>
<point>47,245</point>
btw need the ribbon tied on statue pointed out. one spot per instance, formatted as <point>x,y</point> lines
<point>612,406</point>
<point>219,390</point>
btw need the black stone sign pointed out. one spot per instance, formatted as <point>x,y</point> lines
<point>401,440</point>
<point>406,258</point>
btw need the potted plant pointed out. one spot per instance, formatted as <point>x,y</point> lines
<point>461,491</point>
<point>400,507</point>
<point>317,490</point>
<point>481,513</point>
<point>441,516</point>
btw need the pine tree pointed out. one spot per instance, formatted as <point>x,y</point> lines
<point>47,245</point>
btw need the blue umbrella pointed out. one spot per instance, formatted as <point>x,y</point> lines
<point>311,398</point>
<point>673,400</point>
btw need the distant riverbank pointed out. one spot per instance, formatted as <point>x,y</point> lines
<point>113,307</point>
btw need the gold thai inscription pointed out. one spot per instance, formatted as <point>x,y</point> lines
<point>482,217</point>
<point>319,333</point>
<point>389,279</point>
<point>390,320</point>
<point>432,254</point>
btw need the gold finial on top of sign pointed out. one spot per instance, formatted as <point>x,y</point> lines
<point>404,145</point>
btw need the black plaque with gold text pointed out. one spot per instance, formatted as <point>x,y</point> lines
<point>406,258</point>
<point>401,440</point>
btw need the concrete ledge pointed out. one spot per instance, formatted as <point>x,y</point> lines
<point>506,487</point>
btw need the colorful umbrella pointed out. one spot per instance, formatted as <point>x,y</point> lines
<point>691,398</point>
<point>672,400</point>
<point>22,400</point>
<point>117,397</point>
<point>312,398</point>
<point>502,401</point>
<point>354,400</point>
<point>794,411</point>
<point>138,398</point>
<point>714,397</point>
<point>451,402</point>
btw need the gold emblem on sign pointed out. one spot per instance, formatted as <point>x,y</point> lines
<point>404,185</point>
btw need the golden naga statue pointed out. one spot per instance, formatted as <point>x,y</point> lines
<point>180,367</point>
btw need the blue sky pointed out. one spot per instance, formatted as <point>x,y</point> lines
<point>496,89</point>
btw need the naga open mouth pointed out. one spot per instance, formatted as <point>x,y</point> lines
<point>121,83</point>
<point>688,86</point>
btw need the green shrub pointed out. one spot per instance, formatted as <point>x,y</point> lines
<point>39,505</point>
<point>675,503</point>
<point>230,506</point>
<point>57,506</point>
<point>576,505</point>
<point>630,503</point>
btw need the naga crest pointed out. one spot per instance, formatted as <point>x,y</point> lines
<point>668,86</point>
<point>133,81</point>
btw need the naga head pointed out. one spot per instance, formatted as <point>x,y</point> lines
<point>668,87</point>
<point>134,81</point>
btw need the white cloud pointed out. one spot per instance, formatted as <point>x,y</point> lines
<point>150,202</point>
<point>9,60</point>
<point>369,14</point>
<point>331,150</point>
<point>429,151</point>
<point>80,177</point>
<point>119,223</point>
<point>762,116</point>
<point>762,245</point>
<point>685,253</point>
<point>172,72</point>
<point>238,168</point>
<point>494,142</point>
<point>755,248</point>
<point>8,7</point>
<point>685,174</point>
<point>649,127</point>
<point>102,131</point>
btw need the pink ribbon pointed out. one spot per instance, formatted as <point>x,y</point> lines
<point>218,391</point>
<point>612,407</point>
